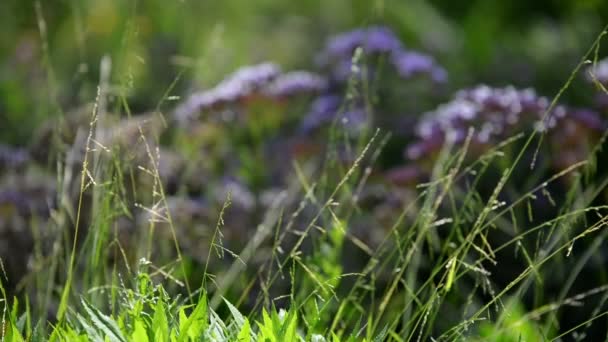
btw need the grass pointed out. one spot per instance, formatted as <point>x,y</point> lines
<point>457,262</point>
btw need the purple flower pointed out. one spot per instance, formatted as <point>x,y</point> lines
<point>374,39</point>
<point>344,44</point>
<point>323,109</point>
<point>15,198</point>
<point>354,119</point>
<point>295,82</point>
<point>598,71</point>
<point>426,146</point>
<point>237,86</point>
<point>381,39</point>
<point>410,63</point>
<point>189,109</point>
<point>12,157</point>
<point>589,119</point>
<point>494,113</point>
<point>251,77</point>
<point>343,70</point>
<point>491,110</point>
<point>240,194</point>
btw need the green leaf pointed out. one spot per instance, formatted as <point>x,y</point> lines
<point>54,335</point>
<point>160,322</point>
<point>139,332</point>
<point>267,320</point>
<point>12,334</point>
<point>276,324</point>
<point>15,309</point>
<point>183,318</point>
<point>63,303</point>
<point>104,323</point>
<point>195,325</point>
<point>236,314</point>
<point>91,333</point>
<point>174,335</point>
<point>266,332</point>
<point>290,323</point>
<point>245,332</point>
<point>382,335</point>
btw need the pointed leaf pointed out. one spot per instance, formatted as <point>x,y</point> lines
<point>290,323</point>
<point>104,323</point>
<point>197,323</point>
<point>236,314</point>
<point>160,323</point>
<point>245,333</point>
<point>139,332</point>
<point>382,334</point>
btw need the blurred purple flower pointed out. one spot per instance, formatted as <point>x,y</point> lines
<point>374,39</point>
<point>254,76</point>
<point>589,119</point>
<point>12,157</point>
<point>354,119</point>
<point>237,86</point>
<point>17,199</point>
<point>343,70</point>
<point>240,195</point>
<point>425,146</point>
<point>343,45</point>
<point>338,54</point>
<point>323,109</point>
<point>409,64</point>
<point>381,39</point>
<point>494,113</point>
<point>599,71</point>
<point>295,82</point>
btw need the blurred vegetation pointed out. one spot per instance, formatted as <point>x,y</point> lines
<point>50,51</point>
<point>52,54</point>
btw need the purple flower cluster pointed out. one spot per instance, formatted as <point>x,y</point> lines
<point>409,64</point>
<point>12,158</point>
<point>325,108</point>
<point>295,83</point>
<point>376,40</point>
<point>494,113</point>
<point>263,80</point>
<point>237,86</point>
<point>27,199</point>
<point>322,109</point>
<point>338,58</point>
<point>15,199</point>
<point>267,82</point>
<point>240,195</point>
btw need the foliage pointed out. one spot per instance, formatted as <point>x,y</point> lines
<point>301,180</point>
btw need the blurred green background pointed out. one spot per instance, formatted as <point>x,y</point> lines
<point>50,51</point>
